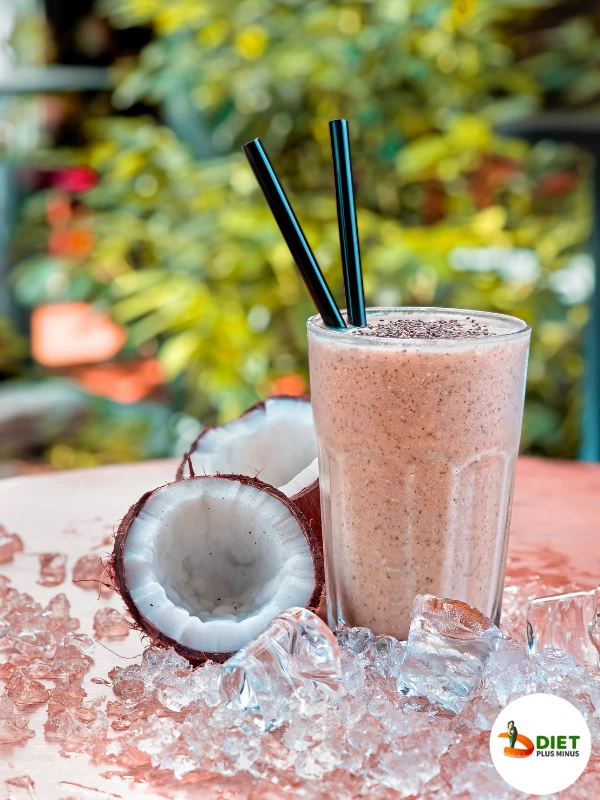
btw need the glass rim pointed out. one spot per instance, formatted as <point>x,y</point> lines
<point>521,330</point>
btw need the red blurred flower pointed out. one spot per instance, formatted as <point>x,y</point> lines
<point>559,183</point>
<point>76,179</point>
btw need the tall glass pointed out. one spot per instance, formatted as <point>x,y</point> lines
<point>418,442</point>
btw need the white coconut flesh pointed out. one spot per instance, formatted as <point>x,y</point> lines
<point>275,443</point>
<point>210,562</point>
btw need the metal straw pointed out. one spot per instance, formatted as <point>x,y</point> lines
<point>293,235</point>
<point>342,173</point>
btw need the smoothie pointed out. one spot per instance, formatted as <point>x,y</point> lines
<point>418,420</point>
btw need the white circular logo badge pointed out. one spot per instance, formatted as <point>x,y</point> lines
<point>540,744</point>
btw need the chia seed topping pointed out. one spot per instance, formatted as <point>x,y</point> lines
<point>415,328</point>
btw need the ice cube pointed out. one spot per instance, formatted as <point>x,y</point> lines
<point>69,661</point>
<point>10,544</point>
<point>77,727</point>
<point>566,622</point>
<point>13,727</point>
<point>110,624</point>
<point>370,664</point>
<point>52,569</point>
<point>509,673</point>
<point>448,644</point>
<point>355,639</point>
<point>66,695</point>
<point>90,573</point>
<point>25,691</point>
<point>293,663</point>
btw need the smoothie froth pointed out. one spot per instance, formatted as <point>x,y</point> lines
<point>418,440</point>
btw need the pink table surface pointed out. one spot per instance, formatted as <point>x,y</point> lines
<point>555,534</point>
<point>555,527</point>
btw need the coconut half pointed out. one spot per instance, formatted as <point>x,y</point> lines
<point>273,440</point>
<point>205,564</point>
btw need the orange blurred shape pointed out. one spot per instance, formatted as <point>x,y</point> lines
<point>58,209</point>
<point>73,333</point>
<point>124,382</point>
<point>289,384</point>
<point>77,242</point>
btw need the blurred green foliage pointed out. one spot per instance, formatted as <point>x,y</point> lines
<point>12,349</point>
<point>112,433</point>
<point>188,257</point>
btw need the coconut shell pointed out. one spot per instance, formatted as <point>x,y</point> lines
<point>159,638</point>
<point>308,500</point>
<point>309,503</point>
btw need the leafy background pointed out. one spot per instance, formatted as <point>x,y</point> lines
<point>178,244</point>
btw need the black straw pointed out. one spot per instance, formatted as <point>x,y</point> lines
<point>293,235</point>
<point>342,173</point>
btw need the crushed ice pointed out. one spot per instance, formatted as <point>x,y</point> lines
<point>385,728</point>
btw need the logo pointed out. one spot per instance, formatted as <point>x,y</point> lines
<point>540,744</point>
<point>514,736</point>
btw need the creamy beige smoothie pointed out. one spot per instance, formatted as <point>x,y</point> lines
<point>418,419</point>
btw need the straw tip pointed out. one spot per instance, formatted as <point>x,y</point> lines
<point>251,144</point>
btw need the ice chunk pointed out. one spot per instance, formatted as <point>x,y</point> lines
<point>67,695</point>
<point>24,690</point>
<point>383,654</point>
<point>128,682</point>
<point>509,673</point>
<point>69,662</point>
<point>176,692</point>
<point>293,663</point>
<point>57,615</point>
<point>10,544</point>
<point>448,644</point>
<point>52,569</point>
<point>110,624</point>
<point>567,622</point>
<point>13,727</point>
<point>81,641</point>
<point>90,573</point>
<point>594,629</point>
<point>357,640</point>
<point>79,727</point>
<point>370,664</point>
